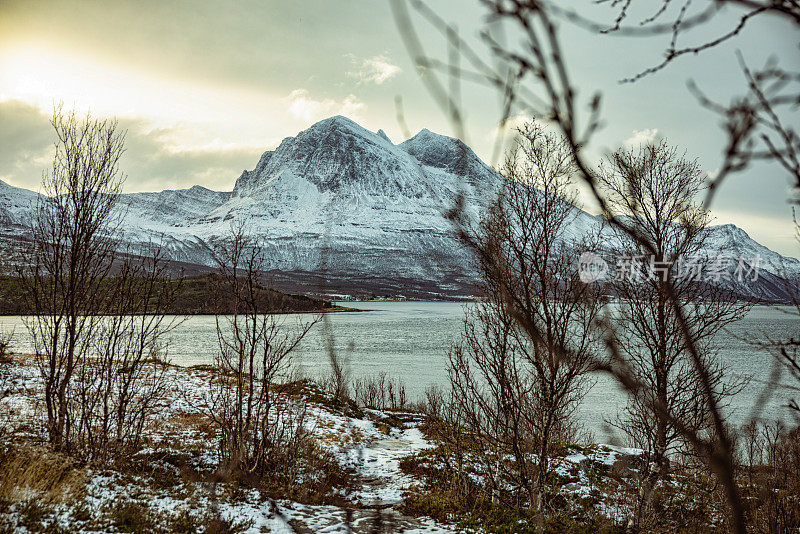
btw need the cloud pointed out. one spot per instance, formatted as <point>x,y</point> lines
<point>641,137</point>
<point>152,160</point>
<point>26,143</point>
<point>303,106</point>
<point>377,69</point>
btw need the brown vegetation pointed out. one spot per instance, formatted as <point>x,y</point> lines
<point>195,295</point>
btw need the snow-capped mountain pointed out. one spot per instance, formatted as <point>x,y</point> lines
<point>341,200</point>
<point>16,205</point>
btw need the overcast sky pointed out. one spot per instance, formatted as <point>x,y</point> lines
<point>203,88</point>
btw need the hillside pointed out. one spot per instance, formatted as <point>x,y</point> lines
<point>198,295</point>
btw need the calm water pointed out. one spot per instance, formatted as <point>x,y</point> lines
<point>409,340</point>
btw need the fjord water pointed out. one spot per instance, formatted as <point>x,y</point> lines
<point>410,340</point>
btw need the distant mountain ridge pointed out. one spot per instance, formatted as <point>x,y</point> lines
<point>344,208</point>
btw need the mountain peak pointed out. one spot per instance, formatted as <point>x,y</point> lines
<point>338,123</point>
<point>335,120</point>
<point>333,153</point>
<point>382,134</point>
<point>339,127</point>
<point>441,151</point>
<point>426,134</point>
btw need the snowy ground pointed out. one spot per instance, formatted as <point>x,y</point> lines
<point>372,449</point>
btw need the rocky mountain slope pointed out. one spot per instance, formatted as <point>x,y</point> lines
<point>346,210</point>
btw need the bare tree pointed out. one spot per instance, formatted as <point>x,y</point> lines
<point>98,320</point>
<point>72,254</point>
<point>531,76</point>
<point>516,390</point>
<point>254,351</point>
<point>654,189</point>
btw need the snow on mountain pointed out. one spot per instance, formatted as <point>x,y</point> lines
<point>16,206</point>
<point>730,240</point>
<point>171,207</point>
<point>339,194</point>
<point>341,199</point>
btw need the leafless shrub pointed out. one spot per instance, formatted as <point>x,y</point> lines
<point>6,335</point>
<point>380,392</point>
<point>433,401</point>
<point>370,392</point>
<point>446,425</point>
<point>117,388</point>
<point>6,339</point>
<point>769,463</point>
<point>257,430</point>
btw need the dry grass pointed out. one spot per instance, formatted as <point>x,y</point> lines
<point>36,472</point>
<point>22,359</point>
<point>191,421</point>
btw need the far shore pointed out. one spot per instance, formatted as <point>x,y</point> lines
<point>321,311</point>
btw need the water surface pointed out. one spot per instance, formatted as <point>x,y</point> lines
<point>410,340</point>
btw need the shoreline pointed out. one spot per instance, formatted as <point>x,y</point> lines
<point>323,311</point>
